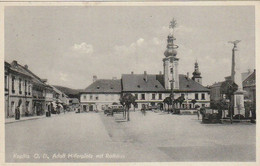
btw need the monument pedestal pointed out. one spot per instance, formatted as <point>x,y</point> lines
<point>239,103</point>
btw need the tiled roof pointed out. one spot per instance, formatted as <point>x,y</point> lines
<point>36,79</point>
<point>18,69</point>
<point>136,82</point>
<point>187,84</point>
<point>250,80</point>
<point>104,86</point>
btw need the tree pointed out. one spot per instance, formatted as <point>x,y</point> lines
<point>180,100</point>
<point>168,101</point>
<point>126,100</point>
<point>228,88</point>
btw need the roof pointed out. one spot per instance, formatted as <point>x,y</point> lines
<point>250,80</point>
<point>104,86</point>
<point>75,101</point>
<point>35,79</point>
<point>136,82</point>
<point>217,84</point>
<point>187,84</point>
<point>245,75</point>
<point>15,67</point>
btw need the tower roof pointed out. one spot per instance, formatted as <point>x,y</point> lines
<point>171,48</point>
<point>196,73</point>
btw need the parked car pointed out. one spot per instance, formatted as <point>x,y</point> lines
<point>210,115</point>
<point>113,109</point>
<point>117,108</point>
<point>155,107</point>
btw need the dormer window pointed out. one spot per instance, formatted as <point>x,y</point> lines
<point>111,88</point>
<point>156,86</point>
<point>138,86</point>
<point>188,86</point>
<point>98,87</point>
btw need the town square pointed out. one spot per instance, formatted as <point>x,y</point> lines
<point>130,84</point>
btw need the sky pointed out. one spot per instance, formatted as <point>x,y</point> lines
<point>68,45</point>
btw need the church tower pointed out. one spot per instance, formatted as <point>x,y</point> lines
<point>196,74</point>
<point>170,62</point>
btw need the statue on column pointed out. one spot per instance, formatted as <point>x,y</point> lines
<point>238,99</point>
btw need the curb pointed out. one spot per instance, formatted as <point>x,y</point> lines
<point>21,120</point>
<point>34,118</point>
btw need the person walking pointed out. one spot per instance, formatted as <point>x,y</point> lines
<point>198,112</point>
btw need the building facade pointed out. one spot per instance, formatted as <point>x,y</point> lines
<point>100,94</point>
<point>18,90</point>
<point>249,87</point>
<point>248,83</point>
<point>150,89</point>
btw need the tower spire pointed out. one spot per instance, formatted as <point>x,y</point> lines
<point>196,74</point>
<point>170,61</point>
<point>171,47</point>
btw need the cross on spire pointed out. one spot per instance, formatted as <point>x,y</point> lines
<point>173,24</point>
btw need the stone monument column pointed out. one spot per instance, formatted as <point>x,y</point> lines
<point>238,99</point>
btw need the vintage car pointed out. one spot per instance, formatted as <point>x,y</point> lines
<point>113,109</point>
<point>155,107</point>
<point>210,115</point>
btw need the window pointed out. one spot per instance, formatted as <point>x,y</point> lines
<point>143,96</point>
<point>6,83</point>
<point>91,97</point>
<point>171,70</point>
<point>202,96</point>
<point>84,96</point>
<point>96,97</point>
<point>136,96</point>
<point>20,86</point>
<point>196,96</point>
<point>25,87</point>
<point>13,78</point>
<point>29,89</point>
<point>203,105</point>
<point>160,96</point>
<point>153,96</point>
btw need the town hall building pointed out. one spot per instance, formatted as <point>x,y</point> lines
<point>149,89</point>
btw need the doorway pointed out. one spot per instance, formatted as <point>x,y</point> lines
<point>91,108</point>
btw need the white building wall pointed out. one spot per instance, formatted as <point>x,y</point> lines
<point>98,101</point>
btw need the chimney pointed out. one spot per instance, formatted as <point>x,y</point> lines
<point>145,76</point>
<point>26,66</point>
<point>14,63</point>
<point>132,72</point>
<point>44,80</point>
<point>114,78</point>
<point>94,78</point>
<point>188,74</point>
